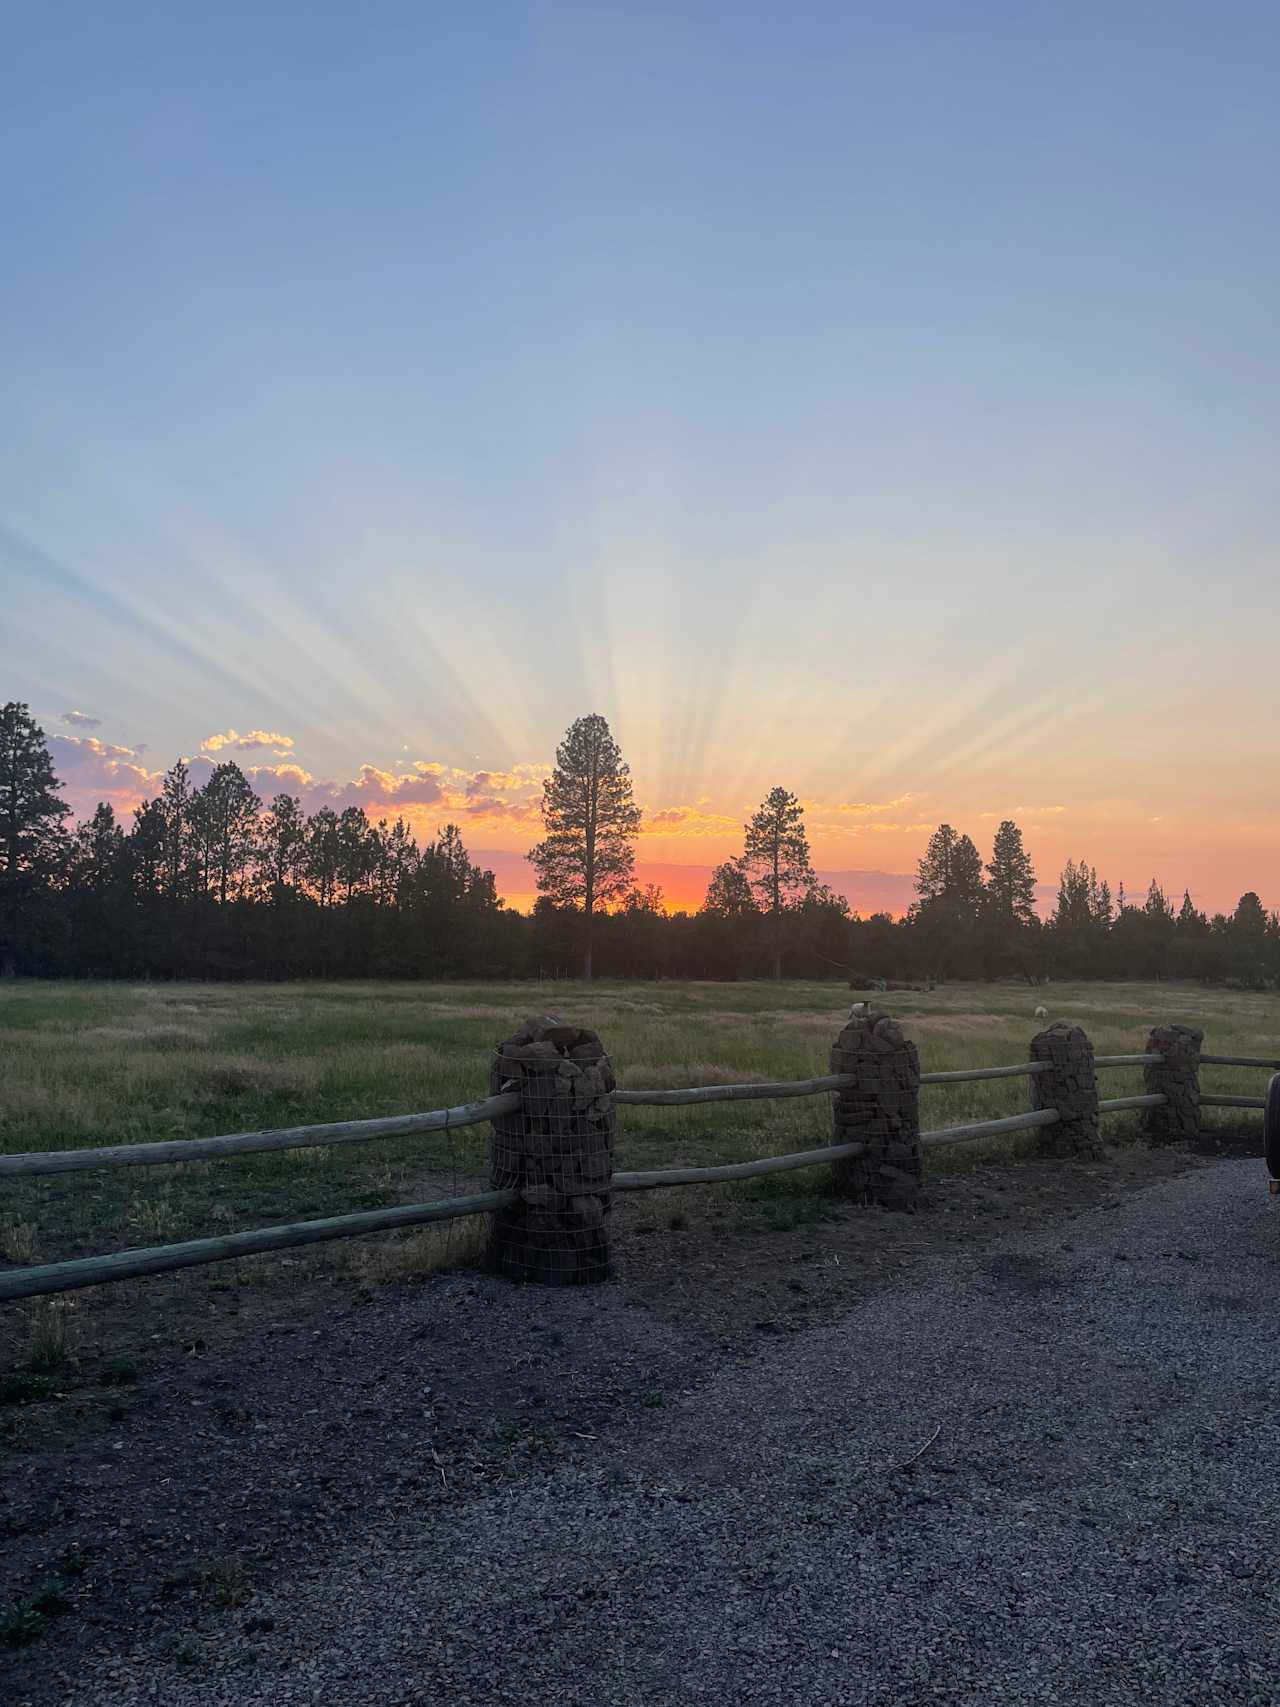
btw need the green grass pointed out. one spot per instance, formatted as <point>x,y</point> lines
<point>89,1064</point>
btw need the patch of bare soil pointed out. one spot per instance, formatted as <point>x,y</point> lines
<point>208,1431</point>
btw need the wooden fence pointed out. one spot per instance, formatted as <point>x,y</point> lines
<point>1061,1075</point>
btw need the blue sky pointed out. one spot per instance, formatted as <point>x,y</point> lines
<point>878,399</point>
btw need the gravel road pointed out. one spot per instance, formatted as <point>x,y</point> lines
<point>1089,1516</point>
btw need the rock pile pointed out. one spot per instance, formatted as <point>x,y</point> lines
<point>881,1110</point>
<point>1177,1077</point>
<point>557,1151</point>
<point>1071,1087</point>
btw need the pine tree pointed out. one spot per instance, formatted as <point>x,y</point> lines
<point>281,847</point>
<point>1011,885</point>
<point>175,805</point>
<point>1191,922</point>
<point>934,873</point>
<point>729,893</point>
<point>224,828</point>
<point>31,832</point>
<point>951,871</point>
<point>591,820</point>
<point>31,812</point>
<point>776,860</point>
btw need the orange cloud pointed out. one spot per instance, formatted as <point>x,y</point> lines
<point>690,821</point>
<point>1025,812</point>
<point>856,808</point>
<point>255,741</point>
<point>290,777</point>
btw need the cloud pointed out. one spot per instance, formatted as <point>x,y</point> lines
<point>857,808</point>
<point>81,720</point>
<point>1024,812</point>
<point>90,770</point>
<point>255,741</point>
<point>291,778</point>
<point>426,793</point>
<point>690,821</point>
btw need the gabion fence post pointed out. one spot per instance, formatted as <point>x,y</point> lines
<point>1071,1087</point>
<point>1176,1076</point>
<point>556,1150</point>
<point>881,1110</point>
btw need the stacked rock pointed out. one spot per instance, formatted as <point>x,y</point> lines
<point>1176,1076</point>
<point>1071,1087</point>
<point>881,1110</point>
<point>556,1150</point>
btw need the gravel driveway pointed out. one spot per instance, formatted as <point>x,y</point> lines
<point>1088,1516</point>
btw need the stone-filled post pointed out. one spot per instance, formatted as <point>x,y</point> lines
<point>1071,1087</point>
<point>1177,1076</point>
<point>881,1109</point>
<point>556,1150</point>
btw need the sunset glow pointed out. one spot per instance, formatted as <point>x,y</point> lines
<point>883,453</point>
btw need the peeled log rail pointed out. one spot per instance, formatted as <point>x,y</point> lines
<point>843,1081</point>
<point>980,1128</point>
<point>249,1143</point>
<point>734,1170</point>
<point>732,1093</point>
<point>157,1259</point>
<point>964,1075</point>
<point>1271,1062</point>
<point>1233,1102</point>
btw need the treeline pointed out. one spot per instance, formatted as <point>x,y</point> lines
<point>207,882</point>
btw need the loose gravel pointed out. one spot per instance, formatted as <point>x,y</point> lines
<point>1036,1472</point>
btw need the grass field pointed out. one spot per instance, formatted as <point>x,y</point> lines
<point>86,1064</point>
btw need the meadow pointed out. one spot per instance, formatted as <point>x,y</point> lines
<point>87,1064</point>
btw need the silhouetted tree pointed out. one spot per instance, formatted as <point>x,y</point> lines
<point>31,830</point>
<point>776,860</point>
<point>586,857</point>
<point>1011,878</point>
<point>729,892</point>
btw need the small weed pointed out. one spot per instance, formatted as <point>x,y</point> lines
<point>21,1387</point>
<point>17,1241</point>
<point>654,1400</point>
<point>678,1223</point>
<point>117,1372</point>
<point>226,1581</point>
<point>50,1332</point>
<point>229,1414</point>
<point>154,1217</point>
<point>26,1620</point>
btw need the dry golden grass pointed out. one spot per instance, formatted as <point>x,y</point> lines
<point>51,1332</point>
<point>425,1250</point>
<point>17,1241</point>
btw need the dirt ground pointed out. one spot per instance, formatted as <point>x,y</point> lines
<point>195,1447</point>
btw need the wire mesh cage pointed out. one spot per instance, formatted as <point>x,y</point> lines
<point>556,1150</point>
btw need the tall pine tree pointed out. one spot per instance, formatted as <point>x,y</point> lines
<point>1011,878</point>
<point>776,860</point>
<point>31,831</point>
<point>590,819</point>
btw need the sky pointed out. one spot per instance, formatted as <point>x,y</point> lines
<point>877,400</point>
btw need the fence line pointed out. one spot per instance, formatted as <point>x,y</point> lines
<point>99,1270</point>
<point>154,1152</point>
